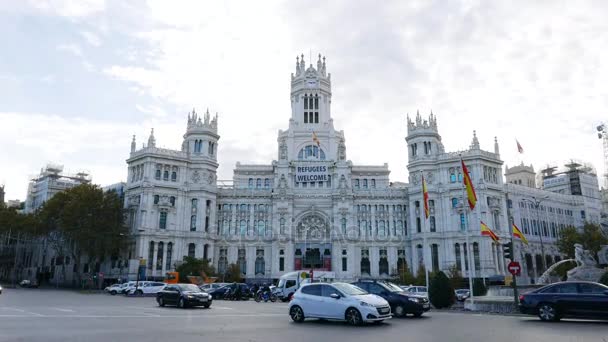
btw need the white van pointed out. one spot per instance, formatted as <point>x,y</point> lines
<point>290,282</point>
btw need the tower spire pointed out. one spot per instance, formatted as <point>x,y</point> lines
<point>151,139</point>
<point>133,144</point>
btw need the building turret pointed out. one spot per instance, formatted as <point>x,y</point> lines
<point>133,144</point>
<point>201,135</point>
<point>310,96</point>
<point>423,137</point>
<point>496,150</point>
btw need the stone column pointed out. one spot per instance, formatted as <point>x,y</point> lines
<point>154,258</point>
<point>164,269</point>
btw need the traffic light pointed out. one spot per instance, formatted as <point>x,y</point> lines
<point>507,249</point>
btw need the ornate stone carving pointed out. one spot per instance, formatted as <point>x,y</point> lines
<point>341,150</point>
<point>430,177</point>
<point>313,227</point>
<point>196,176</point>
<point>283,150</point>
<point>211,178</point>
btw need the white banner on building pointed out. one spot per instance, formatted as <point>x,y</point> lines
<point>311,173</point>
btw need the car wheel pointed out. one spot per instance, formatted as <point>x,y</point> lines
<point>113,292</point>
<point>206,306</point>
<point>296,313</point>
<point>353,316</point>
<point>399,311</point>
<point>161,301</point>
<point>417,314</point>
<point>547,313</point>
<point>139,292</point>
<point>181,303</point>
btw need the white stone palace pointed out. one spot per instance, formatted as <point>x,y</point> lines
<point>311,208</point>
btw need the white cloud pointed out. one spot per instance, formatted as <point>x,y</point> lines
<point>68,8</point>
<point>91,38</point>
<point>71,48</point>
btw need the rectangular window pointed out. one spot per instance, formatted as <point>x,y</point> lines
<point>207,224</point>
<point>281,264</point>
<point>305,117</point>
<point>162,222</point>
<point>344,265</point>
<point>316,117</point>
<point>193,223</point>
<point>316,103</point>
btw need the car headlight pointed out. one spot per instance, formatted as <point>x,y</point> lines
<point>415,300</point>
<point>365,304</point>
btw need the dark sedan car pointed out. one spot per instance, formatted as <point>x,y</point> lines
<point>221,292</point>
<point>183,295</point>
<point>566,299</point>
<point>400,301</point>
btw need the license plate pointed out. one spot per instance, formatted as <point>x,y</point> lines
<point>426,305</point>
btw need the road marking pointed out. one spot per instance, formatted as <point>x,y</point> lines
<point>64,310</point>
<point>24,311</point>
<point>222,307</point>
<point>140,316</point>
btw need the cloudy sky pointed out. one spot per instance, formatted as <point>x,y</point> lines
<point>79,78</point>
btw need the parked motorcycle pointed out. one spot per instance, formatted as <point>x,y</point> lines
<point>265,296</point>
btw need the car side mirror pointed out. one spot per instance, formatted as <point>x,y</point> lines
<point>335,296</point>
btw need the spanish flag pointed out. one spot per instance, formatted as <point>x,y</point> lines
<point>486,231</point>
<point>519,235</point>
<point>425,197</point>
<point>472,197</point>
<point>315,139</point>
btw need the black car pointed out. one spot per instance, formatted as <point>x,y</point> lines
<point>566,299</point>
<point>400,301</point>
<point>183,295</point>
<point>222,292</point>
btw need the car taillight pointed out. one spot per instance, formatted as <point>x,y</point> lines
<point>521,298</point>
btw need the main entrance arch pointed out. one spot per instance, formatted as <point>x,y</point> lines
<point>313,247</point>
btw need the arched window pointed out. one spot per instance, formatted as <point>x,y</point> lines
<point>174,176</point>
<point>242,261</point>
<point>151,255</point>
<point>159,256</point>
<point>156,199</point>
<point>399,228</point>
<point>383,263</point>
<point>343,225</point>
<point>243,227</point>
<point>166,175</point>
<point>476,256</point>
<point>458,258</point>
<point>454,202</point>
<point>250,183</point>
<point>267,183</point>
<point>365,266</point>
<point>381,228</point>
<point>172,201</point>
<point>373,183</point>
<point>169,253</point>
<point>311,152</point>
<point>282,225</point>
<point>157,174</point>
<point>258,183</point>
<point>432,224</point>
<point>463,222</point>
<point>260,264</point>
<point>193,223</point>
<point>191,250</point>
<point>357,185</point>
<point>261,227</point>
<point>418,225</point>
<point>365,183</point>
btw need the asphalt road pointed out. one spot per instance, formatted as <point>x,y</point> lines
<point>51,315</point>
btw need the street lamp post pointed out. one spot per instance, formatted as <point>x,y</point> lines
<point>536,202</point>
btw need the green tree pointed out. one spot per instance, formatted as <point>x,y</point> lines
<point>420,279</point>
<point>404,275</point>
<point>441,292</point>
<point>194,267</point>
<point>479,288</point>
<point>455,277</point>
<point>590,237</point>
<point>84,222</point>
<point>233,274</point>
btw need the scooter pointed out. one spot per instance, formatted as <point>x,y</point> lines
<point>265,296</point>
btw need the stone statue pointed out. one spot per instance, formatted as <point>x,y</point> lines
<point>587,269</point>
<point>583,257</point>
<point>283,150</point>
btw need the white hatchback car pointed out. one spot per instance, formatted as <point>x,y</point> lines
<point>339,301</point>
<point>147,288</point>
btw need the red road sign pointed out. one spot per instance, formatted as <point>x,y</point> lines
<point>514,268</point>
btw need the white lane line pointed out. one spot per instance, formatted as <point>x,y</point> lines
<point>24,311</point>
<point>140,316</point>
<point>63,310</point>
<point>221,307</point>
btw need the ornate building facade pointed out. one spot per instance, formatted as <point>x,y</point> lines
<point>312,208</point>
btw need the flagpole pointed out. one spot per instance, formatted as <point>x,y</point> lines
<point>424,232</point>
<point>466,234</point>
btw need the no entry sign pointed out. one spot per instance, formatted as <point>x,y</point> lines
<point>514,268</point>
